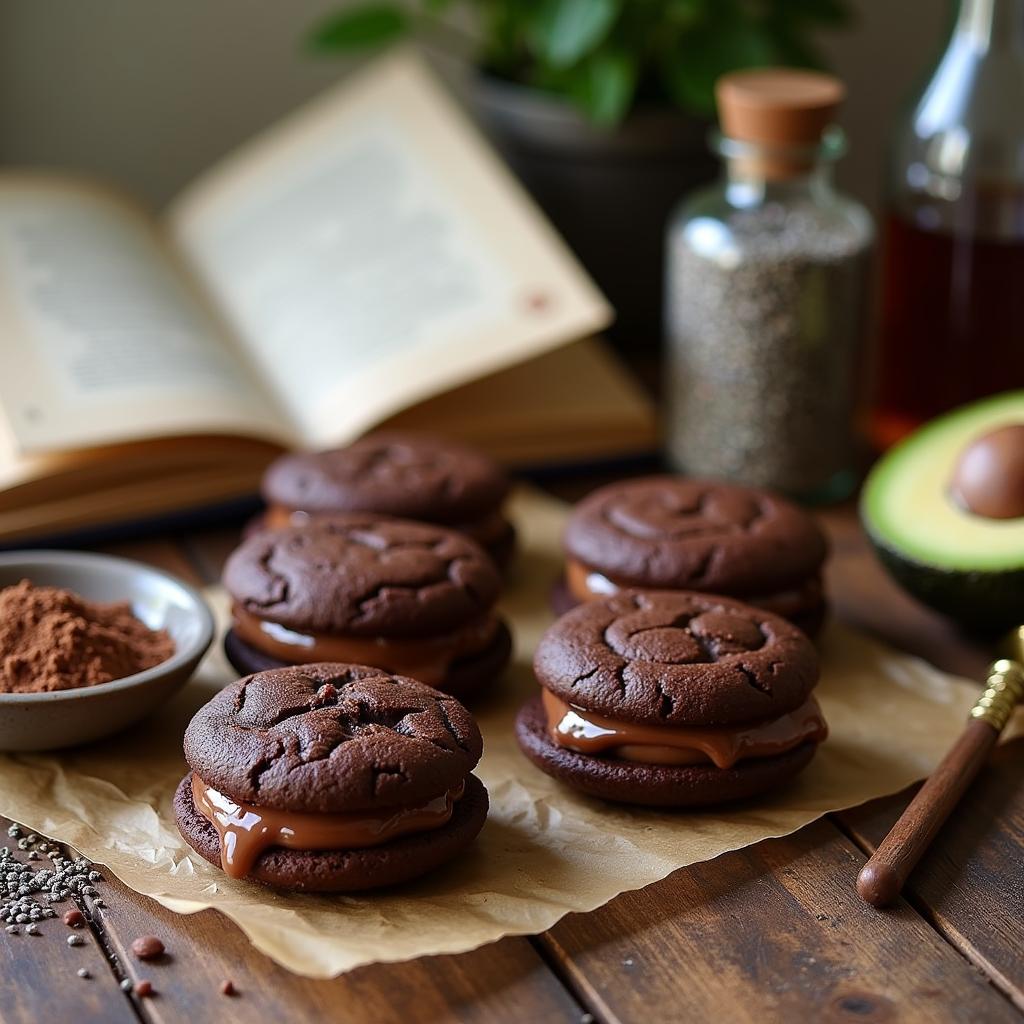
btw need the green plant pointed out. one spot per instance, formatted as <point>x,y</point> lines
<point>604,55</point>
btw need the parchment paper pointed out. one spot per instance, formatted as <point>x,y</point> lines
<point>544,850</point>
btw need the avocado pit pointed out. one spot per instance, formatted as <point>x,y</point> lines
<point>988,479</point>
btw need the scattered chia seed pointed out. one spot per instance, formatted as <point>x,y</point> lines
<point>76,940</point>
<point>126,985</point>
<point>84,972</point>
<point>26,892</point>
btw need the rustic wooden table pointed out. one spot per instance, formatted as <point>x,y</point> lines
<point>772,932</point>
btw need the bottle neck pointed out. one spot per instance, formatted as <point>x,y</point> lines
<point>990,24</point>
<point>758,172</point>
<point>747,185</point>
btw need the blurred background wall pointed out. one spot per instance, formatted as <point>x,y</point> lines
<point>148,93</point>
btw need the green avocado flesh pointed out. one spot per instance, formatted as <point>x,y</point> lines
<point>968,566</point>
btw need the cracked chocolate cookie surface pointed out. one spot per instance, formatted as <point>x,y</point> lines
<point>677,533</point>
<point>364,575</point>
<point>331,738</point>
<point>407,475</point>
<point>677,659</point>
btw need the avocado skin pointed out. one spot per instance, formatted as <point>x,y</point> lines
<point>985,602</point>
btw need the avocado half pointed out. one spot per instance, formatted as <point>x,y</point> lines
<point>967,566</point>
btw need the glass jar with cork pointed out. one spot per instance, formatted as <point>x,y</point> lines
<point>766,296</point>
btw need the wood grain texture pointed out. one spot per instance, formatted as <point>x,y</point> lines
<point>863,595</point>
<point>499,984</point>
<point>38,979</point>
<point>970,884</point>
<point>774,932</point>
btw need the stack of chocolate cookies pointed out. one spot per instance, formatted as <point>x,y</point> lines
<point>360,588</point>
<point>680,673</point>
<point>330,778</point>
<point>675,533</point>
<point>408,476</point>
<point>362,601</point>
<point>672,700</point>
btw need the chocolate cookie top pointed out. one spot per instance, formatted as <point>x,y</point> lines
<point>331,738</point>
<point>677,533</point>
<point>364,575</point>
<point>676,659</point>
<point>408,475</point>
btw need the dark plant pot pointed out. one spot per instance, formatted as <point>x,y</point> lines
<point>609,192</point>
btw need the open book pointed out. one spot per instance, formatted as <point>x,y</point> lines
<point>367,261</point>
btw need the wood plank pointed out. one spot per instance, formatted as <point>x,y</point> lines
<point>208,550</point>
<point>39,972</point>
<point>498,984</point>
<point>863,595</point>
<point>970,884</point>
<point>163,553</point>
<point>772,932</point>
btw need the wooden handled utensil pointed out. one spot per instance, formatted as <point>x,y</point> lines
<point>882,878</point>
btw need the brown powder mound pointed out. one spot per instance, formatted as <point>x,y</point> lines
<point>52,639</point>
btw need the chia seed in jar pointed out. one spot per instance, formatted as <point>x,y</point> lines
<point>765,313</point>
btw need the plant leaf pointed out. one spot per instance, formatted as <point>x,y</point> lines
<point>831,13</point>
<point>563,31</point>
<point>362,28</point>
<point>604,84</point>
<point>690,74</point>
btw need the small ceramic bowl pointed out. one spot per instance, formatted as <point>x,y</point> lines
<point>62,718</point>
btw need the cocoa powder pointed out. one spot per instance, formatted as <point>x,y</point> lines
<point>53,639</point>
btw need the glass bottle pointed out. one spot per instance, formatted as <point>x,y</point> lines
<point>765,297</point>
<point>952,312</point>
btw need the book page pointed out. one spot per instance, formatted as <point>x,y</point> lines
<point>372,251</point>
<point>101,338</point>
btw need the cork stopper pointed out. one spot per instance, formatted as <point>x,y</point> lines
<point>783,110</point>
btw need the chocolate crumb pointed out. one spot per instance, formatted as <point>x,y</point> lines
<point>144,989</point>
<point>74,918</point>
<point>147,947</point>
<point>227,988</point>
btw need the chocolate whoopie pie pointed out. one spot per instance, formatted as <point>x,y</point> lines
<point>405,597</point>
<point>672,699</point>
<point>330,778</point>
<point>411,476</point>
<point>674,533</point>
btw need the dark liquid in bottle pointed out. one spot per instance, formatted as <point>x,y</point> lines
<point>952,325</point>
